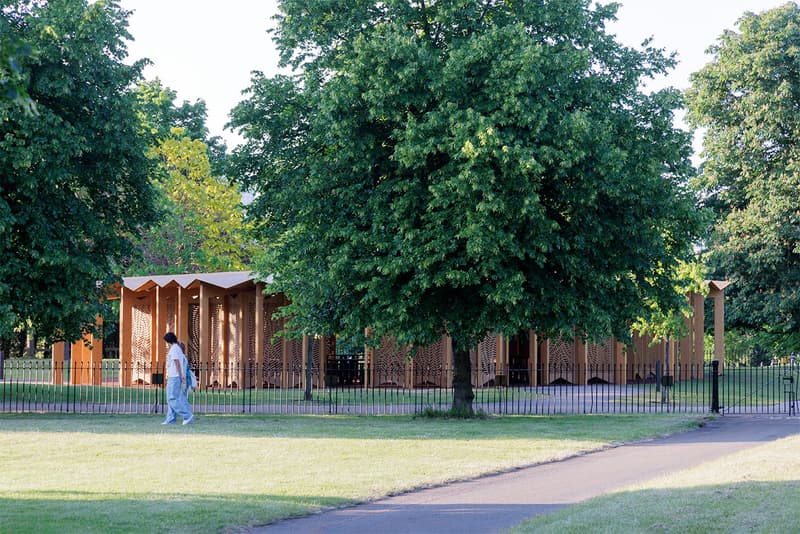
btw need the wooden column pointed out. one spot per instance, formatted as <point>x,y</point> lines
<point>698,330</point>
<point>581,363</point>
<point>160,321</point>
<point>719,327</point>
<point>182,316</point>
<point>259,336</point>
<point>449,361</point>
<point>544,361</point>
<point>96,355</point>
<point>204,335</point>
<point>620,362</point>
<point>687,355</point>
<point>125,335</point>
<point>155,328</point>
<point>57,363</point>
<point>533,356</point>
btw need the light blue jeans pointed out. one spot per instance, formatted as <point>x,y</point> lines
<point>177,401</point>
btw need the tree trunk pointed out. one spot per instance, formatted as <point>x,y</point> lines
<point>462,383</point>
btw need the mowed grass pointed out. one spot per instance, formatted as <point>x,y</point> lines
<point>98,473</point>
<point>757,490</point>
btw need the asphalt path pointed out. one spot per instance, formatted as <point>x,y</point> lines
<point>497,502</point>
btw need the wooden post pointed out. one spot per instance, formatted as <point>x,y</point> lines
<point>259,337</point>
<point>182,316</point>
<point>581,362</point>
<point>620,363</point>
<point>719,328</point>
<point>533,356</point>
<point>57,363</point>
<point>204,337</point>
<point>96,356</point>
<point>125,335</point>
<point>698,330</point>
<point>449,361</point>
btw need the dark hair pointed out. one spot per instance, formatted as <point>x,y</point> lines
<point>169,337</point>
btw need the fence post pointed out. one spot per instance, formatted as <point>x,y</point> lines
<point>715,386</point>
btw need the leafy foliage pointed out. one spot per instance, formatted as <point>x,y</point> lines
<point>465,167</point>
<point>746,98</point>
<point>202,228</point>
<point>74,176</point>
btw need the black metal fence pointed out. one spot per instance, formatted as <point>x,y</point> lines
<point>37,386</point>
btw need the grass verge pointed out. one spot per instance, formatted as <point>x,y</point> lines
<point>94,473</point>
<point>751,491</point>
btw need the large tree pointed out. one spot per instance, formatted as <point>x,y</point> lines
<point>465,167</point>
<point>747,99</point>
<point>201,227</point>
<point>74,175</point>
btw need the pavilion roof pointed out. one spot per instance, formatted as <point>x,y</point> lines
<point>224,280</point>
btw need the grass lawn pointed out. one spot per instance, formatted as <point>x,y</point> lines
<point>98,473</point>
<point>751,491</point>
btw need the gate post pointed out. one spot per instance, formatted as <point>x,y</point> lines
<point>715,386</point>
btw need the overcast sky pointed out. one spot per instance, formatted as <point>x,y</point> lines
<point>207,48</point>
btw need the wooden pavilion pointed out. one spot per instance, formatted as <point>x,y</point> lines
<point>227,322</point>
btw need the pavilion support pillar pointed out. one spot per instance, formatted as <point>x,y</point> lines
<point>258,371</point>
<point>308,346</point>
<point>155,339</point>
<point>449,361</point>
<point>57,363</point>
<point>698,329</point>
<point>205,337</point>
<point>503,372</point>
<point>686,347</point>
<point>619,362</point>
<point>581,373</point>
<point>160,321</point>
<point>544,361</point>
<point>182,316</point>
<point>127,298</point>
<point>369,360</point>
<point>718,294</point>
<point>533,356</point>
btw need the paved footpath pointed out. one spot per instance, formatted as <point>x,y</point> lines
<point>497,502</point>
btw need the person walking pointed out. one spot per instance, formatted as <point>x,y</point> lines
<point>177,400</point>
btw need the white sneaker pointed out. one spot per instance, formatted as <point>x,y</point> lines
<point>188,421</point>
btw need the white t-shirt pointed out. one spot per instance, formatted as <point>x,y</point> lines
<point>175,354</point>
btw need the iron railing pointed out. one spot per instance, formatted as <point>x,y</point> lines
<point>39,386</point>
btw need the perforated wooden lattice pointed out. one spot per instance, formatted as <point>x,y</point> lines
<point>429,363</point>
<point>193,346</point>
<point>273,346</point>
<point>487,359</point>
<point>250,333</point>
<point>562,356</point>
<point>141,342</point>
<point>216,336</point>
<point>601,360</point>
<point>234,343</point>
<point>389,363</point>
<point>294,362</point>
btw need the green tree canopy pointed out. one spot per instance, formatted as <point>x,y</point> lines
<point>747,99</point>
<point>160,114</point>
<point>464,167</point>
<point>73,176</point>
<point>202,226</point>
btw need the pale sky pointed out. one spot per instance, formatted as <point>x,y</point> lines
<point>207,48</point>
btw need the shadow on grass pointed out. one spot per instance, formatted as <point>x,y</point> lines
<point>75,511</point>
<point>599,428</point>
